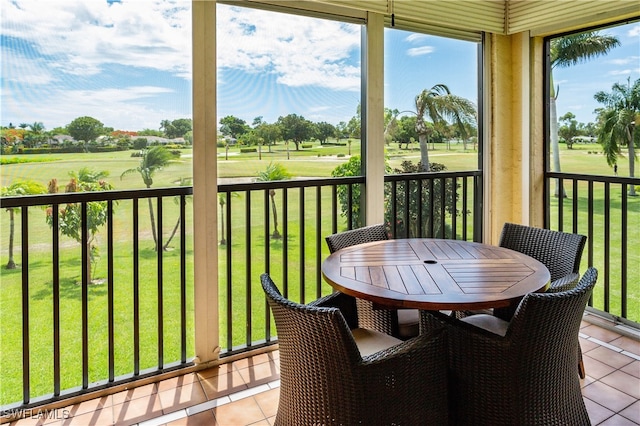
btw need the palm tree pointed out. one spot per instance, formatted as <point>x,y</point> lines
<point>153,160</point>
<point>619,122</point>
<point>274,171</point>
<point>566,51</point>
<point>439,105</point>
<point>17,188</point>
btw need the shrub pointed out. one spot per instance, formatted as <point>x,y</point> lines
<point>246,150</point>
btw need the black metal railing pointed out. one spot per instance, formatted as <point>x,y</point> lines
<point>602,208</point>
<point>63,305</point>
<point>139,321</point>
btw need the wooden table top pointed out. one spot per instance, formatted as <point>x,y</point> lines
<point>434,274</point>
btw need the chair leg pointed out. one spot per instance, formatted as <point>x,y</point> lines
<point>581,371</point>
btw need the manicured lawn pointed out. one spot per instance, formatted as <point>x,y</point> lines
<point>266,254</point>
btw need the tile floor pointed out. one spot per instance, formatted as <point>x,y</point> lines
<point>245,392</point>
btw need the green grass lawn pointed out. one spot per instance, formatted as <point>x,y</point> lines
<point>317,161</point>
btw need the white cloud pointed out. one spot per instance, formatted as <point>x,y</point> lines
<point>627,60</point>
<point>298,50</point>
<point>79,37</point>
<point>621,72</point>
<point>416,37</point>
<point>418,51</point>
<point>634,31</point>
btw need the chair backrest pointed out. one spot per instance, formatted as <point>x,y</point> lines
<point>560,252</point>
<point>356,236</point>
<point>318,358</point>
<point>530,323</point>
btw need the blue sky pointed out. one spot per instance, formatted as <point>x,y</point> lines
<point>128,64</point>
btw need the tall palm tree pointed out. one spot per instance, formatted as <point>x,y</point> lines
<point>17,188</point>
<point>564,52</point>
<point>619,122</point>
<point>153,160</point>
<point>439,105</point>
<point>274,171</point>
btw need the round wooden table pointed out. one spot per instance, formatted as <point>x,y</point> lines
<point>434,274</point>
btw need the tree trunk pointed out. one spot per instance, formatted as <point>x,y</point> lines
<point>424,153</point>
<point>632,164</point>
<point>153,225</point>
<point>175,229</point>
<point>555,148</point>
<point>275,234</point>
<point>11,264</point>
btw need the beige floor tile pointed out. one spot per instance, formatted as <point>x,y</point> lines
<point>205,418</point>
<point>632,412</point>
<point>259,374</point>
<point>223,384</point>
<point>600,333</point>
<point>174,399</point>
<point>268,402</point>
<point>610,357</point>
<point>251,361</point>
<point>595,368</point>
<point>628,344</point>
<point>90,406</point>
<point>137,410</point>
<point>176,382</point>
<point>623,382</point>
<point>607,396</point>
<point>632,369</point>
<point>617,420</point>
<point>98,417</point>
<point>242,412</point>
<point>597,413</point>
<point>134,393</point>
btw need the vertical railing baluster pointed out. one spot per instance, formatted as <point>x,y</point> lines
<point>183,280</point>
<point>394,209</point>
<point>432,207</point>
<point>26,349</point>
<point>454,208</point>
<point>606,274</point>
<point>350,206</point>
<point>407,204</point>
<point>419,191</point>
<point>86,268</point>
<point>590,234</point>
<point>575,205</point>
<point>285,242</point>
<point>465,206</point>
<point>159,284</point>
<point>302,246</point>
<point>136,288</point>
<point>229,241</point>
<point>624,252</point>
<point>443,206</point>
<point>561,195</point>
<point>318,240</point>
<point>55,234</point>
<point>267,262</point>
<point>110,296</point>
<point>334,208</point>
<point>247,260</point>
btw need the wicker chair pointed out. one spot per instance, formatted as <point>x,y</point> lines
<point>520,372</point>
<point>404,323</point>
<point>325,378</point>
<point>559,251</point>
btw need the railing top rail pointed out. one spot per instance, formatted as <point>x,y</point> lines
<point>429,175</point>
<point>293,183</point>
<point>594,178</point>
<point>80,197</point>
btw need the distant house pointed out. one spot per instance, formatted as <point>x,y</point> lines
<point>61,139</point>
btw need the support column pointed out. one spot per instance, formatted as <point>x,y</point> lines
<point>373,151</point>
<point>205,235</point>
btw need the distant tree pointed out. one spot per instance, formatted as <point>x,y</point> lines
<point>177,128</point>
<point>406,131</point>
<point>354,126</point>
<point>153,160</point>
<point>440,105</point>
<point>295,128</point>
<point>341,131</point>
<point>85,129</point>
<point>269,133</point>
<point>569,129</point>
<point>619,123</point>
<point>70,217</point>
<point>18,188</point>
<point>150,132</point>
<point>274,171</point>
<point>233,126</point>
<point>140,143</point>
<point>323,130</point>
<point>564,52</point>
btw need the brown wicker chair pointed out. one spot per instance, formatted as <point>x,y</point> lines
<point>325,379</point>
<point>403,323</point>
<point>559,251</point>
<point>520,372</point>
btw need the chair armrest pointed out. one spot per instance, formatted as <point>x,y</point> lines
<point>565,283</point>
<point>344,302</point>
